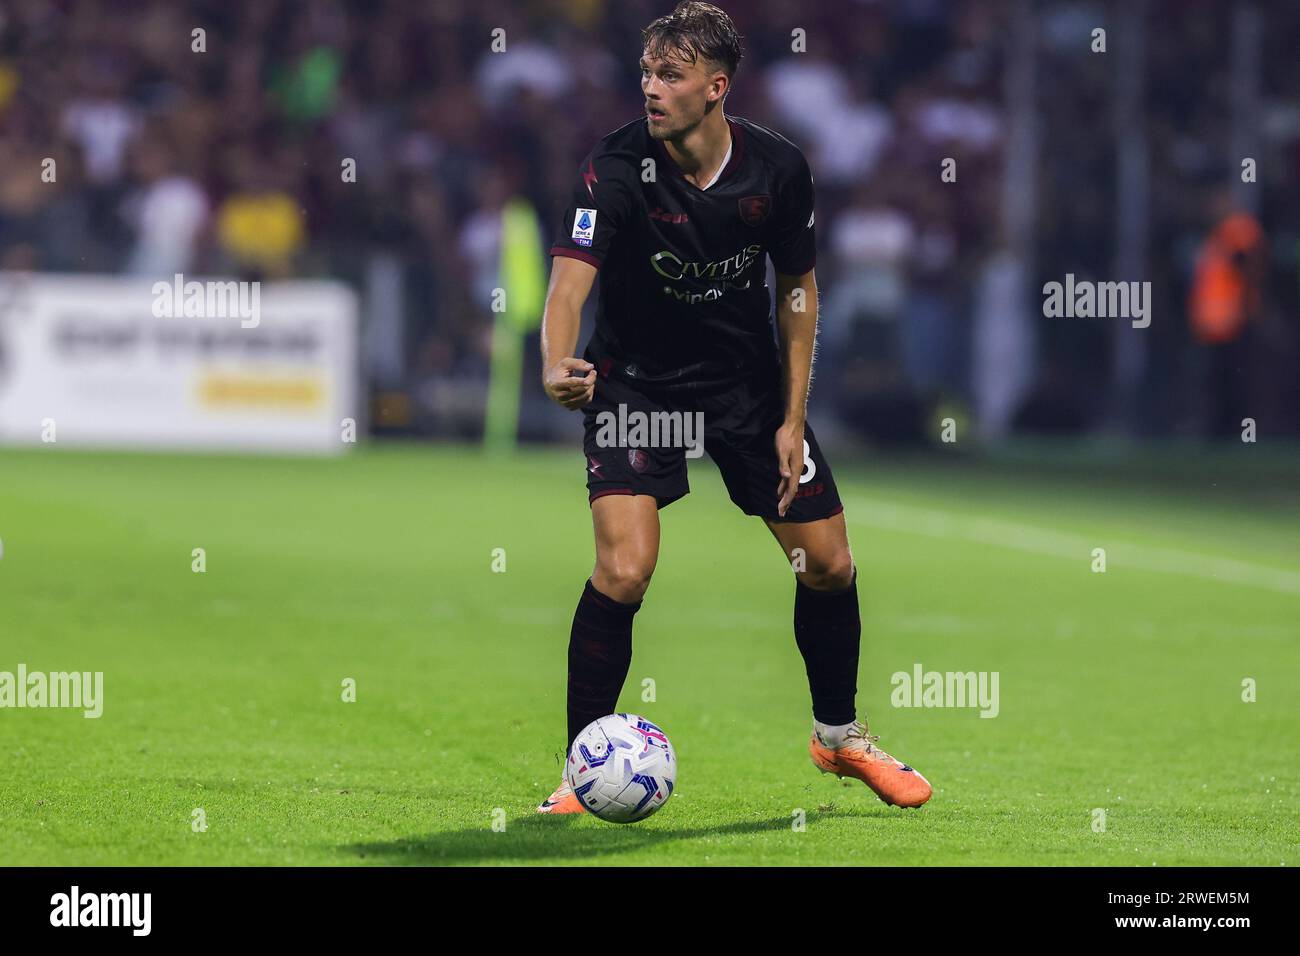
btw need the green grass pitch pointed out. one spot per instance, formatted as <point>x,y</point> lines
<point>1119,691</point>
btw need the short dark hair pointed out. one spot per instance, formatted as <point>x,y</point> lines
<point>695,30</point>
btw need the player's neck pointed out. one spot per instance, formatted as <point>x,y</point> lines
<point>702,151</point>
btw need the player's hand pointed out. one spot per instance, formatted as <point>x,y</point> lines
<point>571,382</point>
<point>789,457</point>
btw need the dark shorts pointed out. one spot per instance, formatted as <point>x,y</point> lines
<point>739,427</point>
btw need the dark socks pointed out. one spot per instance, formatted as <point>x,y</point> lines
<point>828,631</point>
<point>600,652</point>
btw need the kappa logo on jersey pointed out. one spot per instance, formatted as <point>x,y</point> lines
<point>595,466</point>
<point>674,217</point>
<point>755,209</point>
<point>584,226</point>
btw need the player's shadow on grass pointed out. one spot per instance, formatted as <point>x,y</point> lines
<point>537,838</point>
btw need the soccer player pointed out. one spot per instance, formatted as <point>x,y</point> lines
<point>677,210</point>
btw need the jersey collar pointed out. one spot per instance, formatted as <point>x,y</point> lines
<point>737,152</point>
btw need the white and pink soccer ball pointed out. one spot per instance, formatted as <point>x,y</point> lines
<point>622,768</point>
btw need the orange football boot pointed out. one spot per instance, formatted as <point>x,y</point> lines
<point>563,800</point>
<point>893,782</point>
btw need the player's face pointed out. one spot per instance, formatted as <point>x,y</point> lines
<point>677,93</point>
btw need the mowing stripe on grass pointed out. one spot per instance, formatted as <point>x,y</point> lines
<point>950,525</point>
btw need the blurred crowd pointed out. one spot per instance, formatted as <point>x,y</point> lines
<point>226,151</point>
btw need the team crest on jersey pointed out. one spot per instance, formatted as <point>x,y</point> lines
<point>755,209</point>
<point>584,226</point>
<point>638,459</point>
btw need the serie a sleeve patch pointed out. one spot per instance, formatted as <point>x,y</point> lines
<point>584,226</point>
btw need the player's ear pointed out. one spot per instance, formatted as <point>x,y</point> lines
<point>721,83</point>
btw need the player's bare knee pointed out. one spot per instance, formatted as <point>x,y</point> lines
<point>624,581</point>
<point>832,574</point>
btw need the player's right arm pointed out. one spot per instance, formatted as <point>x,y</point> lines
<point>598,207</point>
<point>571,281</point>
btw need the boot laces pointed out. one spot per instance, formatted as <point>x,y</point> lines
<point>860,737</point>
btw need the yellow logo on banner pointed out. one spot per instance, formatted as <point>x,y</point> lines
<point>224,391</point>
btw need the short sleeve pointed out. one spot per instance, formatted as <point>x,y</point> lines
<point>794,238</point>
<point>598,208</point>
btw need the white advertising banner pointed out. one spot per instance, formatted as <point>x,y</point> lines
<point>190,362</point>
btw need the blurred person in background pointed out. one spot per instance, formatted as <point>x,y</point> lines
<point>260,226</point>
<point>167,210</point>
<point>872,242</point>
<point>1226,306</point>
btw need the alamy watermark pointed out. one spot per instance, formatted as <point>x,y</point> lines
<point>213,300</point>
<point>82,690</point>
<point>923,688</point>
<point>75,908</point>
<point>638,429</point>
<point>1102,300</point>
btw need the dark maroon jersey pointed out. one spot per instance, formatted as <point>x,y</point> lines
<point>683,301</point>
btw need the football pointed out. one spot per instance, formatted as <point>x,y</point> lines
<point>622,768</point>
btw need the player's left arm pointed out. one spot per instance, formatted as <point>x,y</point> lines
<point>796,320</point>
<point>793,251</point>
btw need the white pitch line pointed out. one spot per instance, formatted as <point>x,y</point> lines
<point>1035,539</point>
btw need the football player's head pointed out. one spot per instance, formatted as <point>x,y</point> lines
<point>689,59</point>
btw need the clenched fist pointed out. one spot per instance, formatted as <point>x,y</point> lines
<point>571,382</point>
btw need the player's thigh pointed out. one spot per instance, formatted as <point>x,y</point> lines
<point>817,550</point>
<point>627,545</point>
<point>740,432</point>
